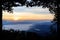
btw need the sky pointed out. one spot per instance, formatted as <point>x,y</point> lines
<point>28,13</point>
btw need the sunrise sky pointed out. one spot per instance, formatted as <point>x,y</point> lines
<point>30,13</point>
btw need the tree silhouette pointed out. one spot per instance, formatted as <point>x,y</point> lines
<point>53,5</point>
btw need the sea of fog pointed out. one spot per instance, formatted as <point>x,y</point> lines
<point>40,27</point>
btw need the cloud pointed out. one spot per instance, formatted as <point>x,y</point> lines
<point>36,10</point>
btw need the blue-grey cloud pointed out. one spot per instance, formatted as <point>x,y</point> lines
<point>36,10</point>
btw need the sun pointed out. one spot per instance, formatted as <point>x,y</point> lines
<point>16,19</point>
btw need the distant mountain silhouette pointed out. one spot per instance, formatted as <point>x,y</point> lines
<point>5,22</point>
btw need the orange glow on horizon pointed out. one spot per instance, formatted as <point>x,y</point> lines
<point>26,16</point>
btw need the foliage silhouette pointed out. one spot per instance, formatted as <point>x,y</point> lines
<point>22,36</point>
